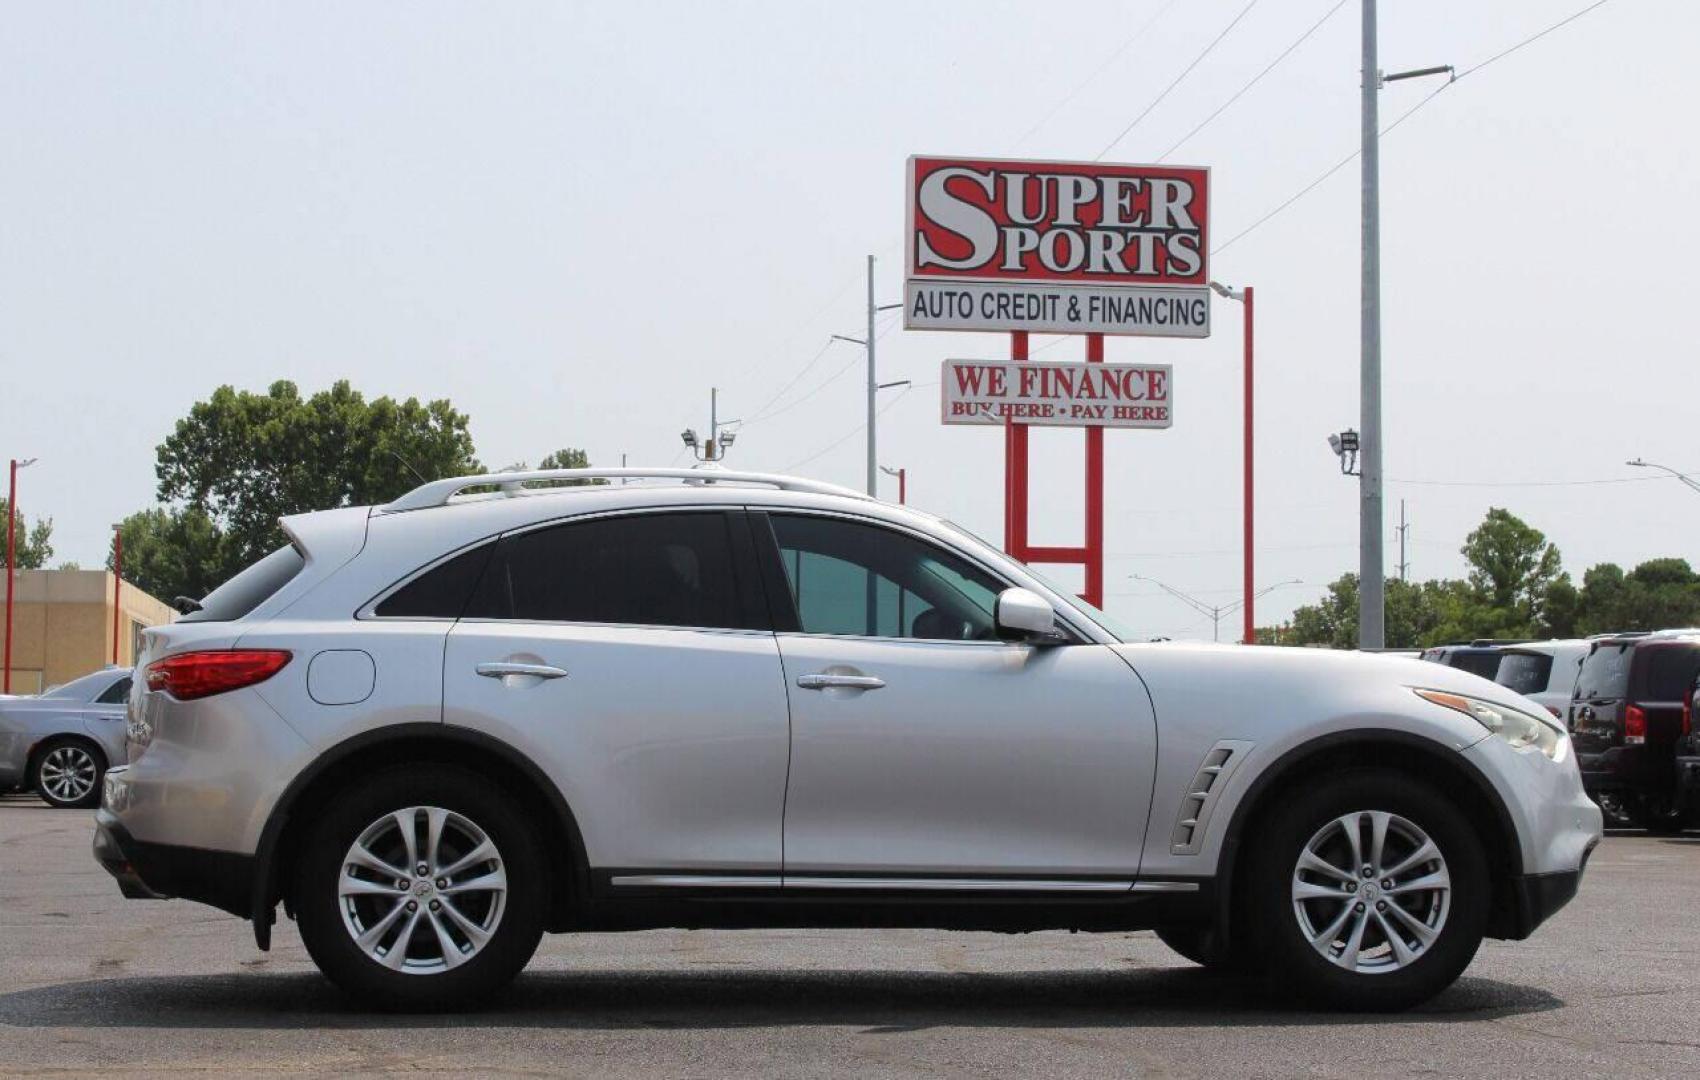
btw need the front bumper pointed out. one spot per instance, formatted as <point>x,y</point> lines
<point>1531,899</point>
<point>159,871</point>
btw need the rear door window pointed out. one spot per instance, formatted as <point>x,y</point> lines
<point>1525,673</point>
<point>658,569</point>
<point>1605,673</point>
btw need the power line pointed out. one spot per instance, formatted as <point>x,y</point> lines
<point>1220,109</point>
<point>1158,100</point>
<point>1526,483</point>
<point>764,413</point>
<point>1099,70</point>
<point>851,434</point>
<point>1406,115</point>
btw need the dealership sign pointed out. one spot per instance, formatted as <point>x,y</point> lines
<point>1058,394</point>
<point>1057,247</point>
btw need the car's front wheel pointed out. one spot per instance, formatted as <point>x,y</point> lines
<point>66,773</point>
<point>1368,890</point>
<point>421,888</point>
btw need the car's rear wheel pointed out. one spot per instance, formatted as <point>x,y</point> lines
<point>1368,890</point>
<point>422,888</point>
<point>66,773</point>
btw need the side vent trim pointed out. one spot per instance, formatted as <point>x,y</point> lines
<point>1193,820</point>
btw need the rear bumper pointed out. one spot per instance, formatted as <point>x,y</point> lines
<point>1621,768</point>
<point>159,871</point>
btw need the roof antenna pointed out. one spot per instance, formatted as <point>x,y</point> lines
<point>408,465</point>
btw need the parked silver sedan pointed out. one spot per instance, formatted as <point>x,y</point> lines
<point>60,742</point>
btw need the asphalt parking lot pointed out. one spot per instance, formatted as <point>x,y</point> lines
<point>90,981</point>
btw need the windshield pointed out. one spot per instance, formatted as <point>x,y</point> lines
<point>1605,673</point>
<point>249,589</point>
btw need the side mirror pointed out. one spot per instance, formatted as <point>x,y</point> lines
<point>1024,615</point>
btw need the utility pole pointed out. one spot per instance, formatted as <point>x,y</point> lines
<point>1404,531</point>
<point>873,385</point>
<point>1372,590</point>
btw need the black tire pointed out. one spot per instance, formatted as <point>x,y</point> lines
<point>1273,925</point>
<point>47,772</point>
<point>1203,946</point>
<point>1657,813</point>
<point>518,924</point>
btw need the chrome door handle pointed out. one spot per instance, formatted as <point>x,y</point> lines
<point>502,669</point>
<point>839,682</point>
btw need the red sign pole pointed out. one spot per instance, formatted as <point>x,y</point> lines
<point>1015,538</point>
<point>1094,593</point>
<point>117,585</point>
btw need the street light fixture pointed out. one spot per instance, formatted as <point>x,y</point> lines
<point>1684,477</point>
<point>1345,447</point>
<point>1214,611</point>
<point>11,562</point>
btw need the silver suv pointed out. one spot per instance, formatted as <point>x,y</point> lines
<point>433,730</point>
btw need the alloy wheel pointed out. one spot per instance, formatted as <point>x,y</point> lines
<point>422,890</point>
<point>68,774</point>
<point>1371,892</point>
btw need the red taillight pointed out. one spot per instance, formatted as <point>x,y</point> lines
<point>192,675</point>
<point>1634,724</point>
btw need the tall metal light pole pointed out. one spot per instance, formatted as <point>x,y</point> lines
<point>1246,297</point>
<point>873,385</point>
<point>1684,477</point>
<point>11,562</point>
<point>1372,585</point>
<point>1372,590</point>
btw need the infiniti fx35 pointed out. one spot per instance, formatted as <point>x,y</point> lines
<point>433,730</point>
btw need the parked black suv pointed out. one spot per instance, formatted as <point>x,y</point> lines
<point>1626,718</point>
<point>1477,658</point>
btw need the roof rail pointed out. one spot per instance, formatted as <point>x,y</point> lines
<point>439,492</point>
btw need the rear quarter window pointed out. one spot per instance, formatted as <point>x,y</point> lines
<point>1484,662</point>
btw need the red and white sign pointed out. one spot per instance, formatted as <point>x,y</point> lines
<point>1057,247</point>
<point>1058,394</point>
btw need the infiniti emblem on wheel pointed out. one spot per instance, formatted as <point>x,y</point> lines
<point>422,888</point>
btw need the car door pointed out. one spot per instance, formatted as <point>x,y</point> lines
<point>924,748</point>
<point>103,719</point>
<point>629,657</point>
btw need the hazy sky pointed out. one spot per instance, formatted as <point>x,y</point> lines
<point>572,219</point>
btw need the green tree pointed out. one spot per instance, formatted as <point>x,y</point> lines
<point>35,542</point>
<point>1657,593</point>
<point>246,459</point>
<point>175,551</point>
<point>1512,565</point>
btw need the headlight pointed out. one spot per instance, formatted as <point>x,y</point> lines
<point>1515,726</point>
